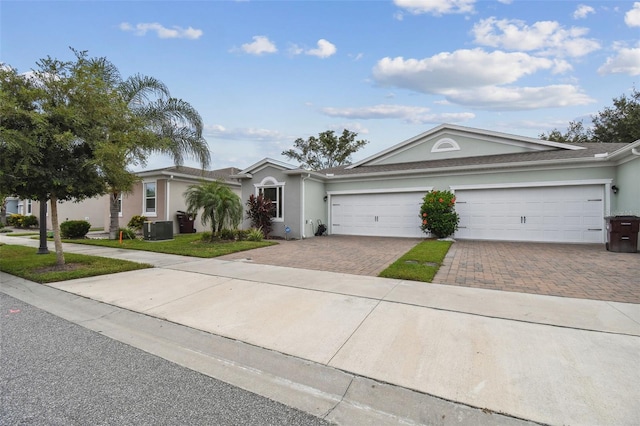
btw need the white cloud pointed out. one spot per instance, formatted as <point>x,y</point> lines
<point>161,31</point>
<point>260,45</point>
<point>324,49</point>
<point>626,61</point>
<point>632,17</point>
<point>520,98</point>
<point>459,69</point>
<point>436,7</point>
<point>266,135</point>
<point>480,79</point>
<point>544,37</point>
<point>582,11</point>
<point>410,114</point>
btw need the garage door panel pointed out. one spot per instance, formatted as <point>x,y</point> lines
<point>393,214</point>
<point>554,214</point>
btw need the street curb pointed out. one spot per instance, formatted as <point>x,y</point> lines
<point>337,396</point>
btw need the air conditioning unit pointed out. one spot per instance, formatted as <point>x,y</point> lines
<point>157,231</point>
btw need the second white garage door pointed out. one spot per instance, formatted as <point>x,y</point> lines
<point>572,214</point>
<point>383,215</point>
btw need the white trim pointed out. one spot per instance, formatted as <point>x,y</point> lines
<point>453,145</point>
<point>144,199</point>
<point>265,162</point>
<point>532,184</point>
<point>381,191</point>
<point>271,182</point>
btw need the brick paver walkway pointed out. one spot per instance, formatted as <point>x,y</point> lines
<point>335,253</point>
<point>568,270</point>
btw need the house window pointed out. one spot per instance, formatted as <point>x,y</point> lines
<point>29,207</point>
<point>150,198</point>
<point>274,191</point>
<point>120,205</point>
<point>275,195</point>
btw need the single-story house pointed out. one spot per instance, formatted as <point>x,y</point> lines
<point>507,187</point>
<point>158,196</point>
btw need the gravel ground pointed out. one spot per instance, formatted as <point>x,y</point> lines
<point>55,372</point>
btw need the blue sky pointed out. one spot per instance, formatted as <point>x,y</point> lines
<point>263,73</point>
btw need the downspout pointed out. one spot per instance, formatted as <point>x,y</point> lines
<point>303,224</point>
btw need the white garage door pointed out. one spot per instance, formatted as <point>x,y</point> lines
<point>572,214</point>
<point>383,215</point>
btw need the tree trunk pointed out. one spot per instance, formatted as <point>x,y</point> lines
<point>56,230</point>
<point>114,222</point>
<point>3,210</point>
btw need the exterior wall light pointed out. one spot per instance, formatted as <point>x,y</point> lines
<point>614,189</point>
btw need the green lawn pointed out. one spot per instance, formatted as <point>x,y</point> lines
<point>24,262</point>
<point>420,263</point>
<point>182,244</point>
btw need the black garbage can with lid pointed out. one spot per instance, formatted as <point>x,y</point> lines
<point>622,233</point>
<point>185,222</point>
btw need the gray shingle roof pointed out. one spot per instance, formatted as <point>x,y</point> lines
<point>487,161</point>
<point>218,174</point>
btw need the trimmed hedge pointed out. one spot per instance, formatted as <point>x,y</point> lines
<point>71,229</point>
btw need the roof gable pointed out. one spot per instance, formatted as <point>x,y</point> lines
<point>266,162</point>
<point>449,141</point>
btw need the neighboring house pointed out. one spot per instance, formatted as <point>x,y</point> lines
<point>507,187</point>
<point>158,196</point>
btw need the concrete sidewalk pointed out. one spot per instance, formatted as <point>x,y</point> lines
<point>534,358</point>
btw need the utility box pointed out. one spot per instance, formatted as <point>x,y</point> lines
<point>185,222</point>
<point>622,233</point>
<point>157,231</point>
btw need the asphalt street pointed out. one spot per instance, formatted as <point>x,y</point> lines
<point>55,372</point>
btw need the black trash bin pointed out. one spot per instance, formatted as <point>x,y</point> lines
<point>622,233</point>
<point>185,222</point>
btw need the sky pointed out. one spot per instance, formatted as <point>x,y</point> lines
<point>264,73</point>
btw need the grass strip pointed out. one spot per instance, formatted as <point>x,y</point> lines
<point>24,262</point>
<point>182,244</point>
<point>420,263</point>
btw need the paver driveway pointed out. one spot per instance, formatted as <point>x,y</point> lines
<point>568,270</point>
<point>585,271</point>
<point>335,253</point>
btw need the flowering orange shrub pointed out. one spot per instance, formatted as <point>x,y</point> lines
<point>438,215</point>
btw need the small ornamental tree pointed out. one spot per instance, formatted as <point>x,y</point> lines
<point>438,214</point>
<point>260,212</point>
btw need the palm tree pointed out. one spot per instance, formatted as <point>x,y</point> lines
<point>169,126</point>
<point>221,206</point>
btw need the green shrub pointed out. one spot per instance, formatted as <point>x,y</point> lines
<point>255,234</point>
<point>242,234</point>
<point>227,234</point>
<point>207,237</point>
<point>438,214</point>
<point>14,219</point>
<point>74,228</point>
<point>22,221</point>
<point>30,222</point>
<point>127,233</point>
<point>137,222</point>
